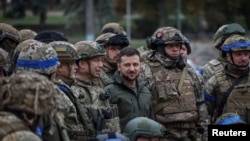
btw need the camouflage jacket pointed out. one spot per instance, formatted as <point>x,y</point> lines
<point>71,120</point>
<point>14,129</point>
<point>90,96</point>
<point>109,68</point>
<point>237,100</point>
<point>212,67</point>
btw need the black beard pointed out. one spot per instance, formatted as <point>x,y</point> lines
<point>128,79</point>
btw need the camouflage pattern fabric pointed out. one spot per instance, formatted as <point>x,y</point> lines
<point>66,51</point>
<point>38,57</point>
<point>113,27</point>
<point>19,131</point>
<point>27,34</point>
<point>9,38</point>
<point>167,35</point>
<point>236,102</point>
<point>225,31</point>
<point>213,66</point>
<point>5,61</point>
<point>41,98</point>
<point>89,49</point>
<point>179,122</point>
<point>4,58</point>
<point>8,31</point>
<point>28,85</point>
<point>234,78</point>
<point>109,68</point>
<point>71,120</point>
<point>95,105</point>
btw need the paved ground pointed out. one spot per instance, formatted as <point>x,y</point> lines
<point>202,52</point>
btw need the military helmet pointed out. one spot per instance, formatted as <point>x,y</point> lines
<point>236,43</point>
<point>187,43</point>
<point>28,92</point>
<point>18,49</point>
<point>4,58</point>
<point>143,127</point>
<point>89,49</point>
<point>225,31</point>
<point>8,31</point>
<point>27,34</point>
<point>48,36</point>
<point>164,35</point>
<point>112,136</point>
<point>66,51</point>
<point>106,39</point>
<point>37,56</point>
<point>113,27</point>
<point>229,119</point>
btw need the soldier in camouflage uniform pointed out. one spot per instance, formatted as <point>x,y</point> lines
<point>185,51</point>
<point>227,90</point>
<point>87,88</point>
<point>142,128</point>
<point>109,30</point>
<point>177,99</point>
<point>113,43</point>
<point>220,36</point>
<point>27,34</point>
<point>76,118</point>
<point>4,63</point>
<point>41,58</point>
<point>9,39</point>
<point>26,98</point>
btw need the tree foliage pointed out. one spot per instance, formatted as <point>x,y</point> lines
<point>147,15</point>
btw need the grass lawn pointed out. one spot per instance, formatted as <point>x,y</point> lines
<point>34,20</point>
<point>31,19</point>
<point>136,43</point>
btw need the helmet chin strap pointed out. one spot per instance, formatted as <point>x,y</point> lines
<point>175,61</point>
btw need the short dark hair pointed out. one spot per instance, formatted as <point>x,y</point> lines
<point>127,51</point>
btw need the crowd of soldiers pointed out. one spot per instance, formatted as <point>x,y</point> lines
<point>55,90</point>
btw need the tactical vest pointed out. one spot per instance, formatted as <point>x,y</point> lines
<point>166,83</point>
<point>238,99</point>
<point>10,124</point>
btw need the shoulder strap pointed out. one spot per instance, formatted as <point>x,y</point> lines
<point>159,106</point>
<point>82,115</point>
<point>224,99</point>
<point>7,128</point>
<point>183,75</point>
